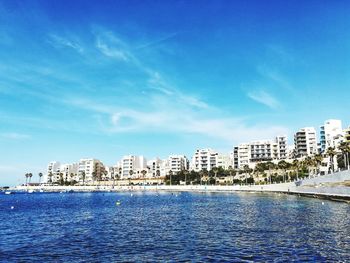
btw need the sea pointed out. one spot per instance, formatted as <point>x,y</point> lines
<point>172,227</point>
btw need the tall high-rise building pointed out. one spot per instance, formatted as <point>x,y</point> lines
<point>331,133</point>
<point>204,159</point>
<point>132,166</point>
<point>305,142</point>
<point>91,169</point>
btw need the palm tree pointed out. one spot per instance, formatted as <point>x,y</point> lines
<point>83,176</point>
<point>50,177</point>
<point>131,172</point>
<point>318,158</point>
<point>30,177</point>
<point>230,171</point>
<point>309,162</point>
<point>185,173</point>
<point>26,175</point>
<point>283,165</point>
<point>215,170</point>
<point>94,176</point>
<point>331,153</point>
<point>61,179</point>
<point>40,175</point>
<point>270,165</point>
<point>170,175</point>
<point>246,170</point>
<point>344,147</point>
<point>296,165</point>
<point>144,172</point>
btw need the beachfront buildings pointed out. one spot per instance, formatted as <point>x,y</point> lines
<point>176,163</point>
<point>132,166</point>
<point>57,171</point>
<point>156,168</point>
<point>90,170</point>
<point>223,160</point>
<point>331,134</point>
<point>259,151</point>
<point>305,142</point>
<point>204,159</point>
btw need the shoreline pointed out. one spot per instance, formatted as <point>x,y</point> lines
<point>335,187</point>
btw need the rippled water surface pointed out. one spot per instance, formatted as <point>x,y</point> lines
<point>94,227</point>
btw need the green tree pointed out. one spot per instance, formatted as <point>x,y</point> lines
<point>131,172</point>
<point>26,176</point>
<point>143,172</point>
<point>215,171</point>
<point>296,166</point>
<point>50,177</point>
<point>331,153</point>
<point>40,175</point>
<point>247,170</point>
<point>344,147</point>
<point>283,165</point>
<point>83,176</point>
<point>30,175</point>
<point>318,158</point>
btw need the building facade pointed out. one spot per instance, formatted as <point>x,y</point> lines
<point>204,159</point>
<point>305,142</point>
<point>259,151</point>
<point>90,170</point>
<point>331,134</point>
<point>132,166</point>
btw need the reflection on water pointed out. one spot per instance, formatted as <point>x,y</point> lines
<point>162,226</point>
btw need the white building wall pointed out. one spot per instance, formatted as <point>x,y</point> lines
<point>52,168</point>
<point>204,159</point>
<point>305,142</point>
<point>331,134</point>
<point>90,166</point>
<point>132,163</point>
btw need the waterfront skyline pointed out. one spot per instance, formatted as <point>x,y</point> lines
<point>83,79</point>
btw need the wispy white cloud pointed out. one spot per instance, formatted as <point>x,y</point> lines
<point>264,98</point>
<point>58,41</point>
<point>276,77</point>
<point>111,46</point>
<point>14,136</point>
<point>157,41</point>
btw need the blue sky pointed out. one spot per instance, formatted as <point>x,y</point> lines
<point>107,78</point>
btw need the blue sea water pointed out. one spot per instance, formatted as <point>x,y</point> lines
<point>172,227</point>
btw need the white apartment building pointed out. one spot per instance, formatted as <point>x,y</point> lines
<point>224,161</point>
<point>132,165</point>
<point>177,163</point>
<point>241,155</point>
<point>156,168</point>
<point>331,134</point>
<point>305,142</point>
<point>93,169</point>
<point>70,172</point>
<point>282,145</point>
<point>56,171</point>
<point>53,168</point>
<point>259,151</point>
<point>204,159</point>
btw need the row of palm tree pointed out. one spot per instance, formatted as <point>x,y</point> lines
<point>29,176</point>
